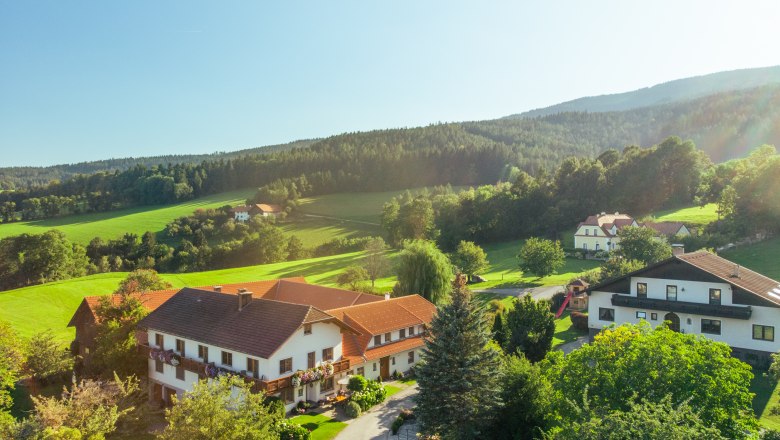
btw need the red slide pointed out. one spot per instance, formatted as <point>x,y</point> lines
<point>563,306</point>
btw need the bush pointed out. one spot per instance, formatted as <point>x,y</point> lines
<point>293,431</point>
<point>357,383</point>
<point>770,434</point>
<point>579,321</point>
<point>353,410</point>
<point>397,423</point>
<point>556,301</point>
<point>407,414</point>
<point>374,393</point>
<point>341,246</point>
<point>277,406</point>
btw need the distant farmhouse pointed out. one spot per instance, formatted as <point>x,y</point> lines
<point>699,293</point>
<point>601,232</point>
<point>244,213</point>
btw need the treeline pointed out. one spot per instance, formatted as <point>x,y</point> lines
<point>637,181</point>
<point>470,153</point>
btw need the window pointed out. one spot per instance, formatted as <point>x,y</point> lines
<point>715,297</point>
<point>327,385</point>
<point>671,293</point>
<point>411,357</point>
<point>711,326</point>
<point>158,340</point>
<point>402,333</point>
<point>587,232</point>
<point>180,372</point>
<point>327,354</point>
<point>411,331</point>
<point>392,360</point>
<point>159,366</point>
<point>388,337</point>
<point>180,346</point>
<point>641,315</point>
<point>763,332</point>
<point>227,359</point>
<point>311,359</point>
<point>377,340</point>
<point>203,353</point>
<point>374,366</point>
<point>654,316</point>
<point>300,392</point>
<point>306,329</point>
<point>361,371</point>
<point>606,314</point>
<point>585,246</point>
<point>641,290</point>
<point>286,395</point>
<point>252,367</point>
<point>285,365</point>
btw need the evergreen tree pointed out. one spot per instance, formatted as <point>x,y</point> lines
<point>499,330</point>
<point>459,373</point>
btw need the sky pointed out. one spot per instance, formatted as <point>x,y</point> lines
<point>89,80</point>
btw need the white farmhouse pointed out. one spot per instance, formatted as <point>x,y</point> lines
<point>698,293</point>
<point>602,232</point>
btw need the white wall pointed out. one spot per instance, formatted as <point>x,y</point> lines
<point>596,236</point>
<point>395,335</point>
<point>402,364</point>
<point>735,332</point>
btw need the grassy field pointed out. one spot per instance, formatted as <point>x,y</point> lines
<point>321,427</point>
<point>83,228</point>
<point>315,231</point>
<point>564,331</point>
<point>694,215</point>
<point>761,257</point>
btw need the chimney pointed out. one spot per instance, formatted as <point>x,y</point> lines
<point>218,288</point>
<point>736,271</point>
<point>387,296</point>
<point>678,249</point>
<point>244,298</point>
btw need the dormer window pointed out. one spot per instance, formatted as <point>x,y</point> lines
<point>377,340</point>
<point>388,337</point>
<point>402,333</point>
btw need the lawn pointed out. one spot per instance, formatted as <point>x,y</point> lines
<point>392,390</point>
<point>693,216</point>
<point>321,427</point>
<point>315,231</point>
<point>50,306</point>
<point>767,396</point>
<point>108,225</point>
<point>761,257</point>
<point>504,270</point>
<point>565,331</point>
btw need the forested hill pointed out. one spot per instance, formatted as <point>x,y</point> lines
<point>666,93</point>
<point>21,177</point>
<point>725,126</point>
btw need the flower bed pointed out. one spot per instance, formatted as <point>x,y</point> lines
<point>322,371</point>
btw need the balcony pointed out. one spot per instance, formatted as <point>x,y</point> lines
<point>258,385</point>
<point>735,312</point>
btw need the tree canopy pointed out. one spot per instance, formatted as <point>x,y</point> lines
<point>424,270</point>
<point>470,258</point>
<point>643,245</point>
<point>541,257</point>
<point>531,327</point>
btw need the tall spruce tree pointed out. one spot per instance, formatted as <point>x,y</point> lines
<point>459,374</point>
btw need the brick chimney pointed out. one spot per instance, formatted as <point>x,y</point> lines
<point>678,249</point>
<point>387,296</point>
<point>244,298</point>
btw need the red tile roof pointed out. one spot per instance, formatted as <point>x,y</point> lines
<point>732,273</point>
<point>394,347</point>
<point>266,207</point>
<point>260,328</point>
<point>395,313</point>
<point>665,228</point>
<point>322,297</point>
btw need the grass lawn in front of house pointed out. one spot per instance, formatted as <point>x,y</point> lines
<point>565,331</point>
<point>767,396</point>
<point>392,389</point>
<point>322,427</point>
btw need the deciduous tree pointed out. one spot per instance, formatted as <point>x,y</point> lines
<point>375,262</point>
<point>424,270</point>
<point>642,244</point>
<point>470,258</point>
<point>46,357</point>
<point>541,257</point>
<point>531,327</point>
<point>353,277</point>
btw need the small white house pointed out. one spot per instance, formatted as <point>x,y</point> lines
<point>698,293</point>
<point>602,232</point>
<point>244,213</point>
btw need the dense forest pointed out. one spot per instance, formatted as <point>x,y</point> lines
<point>724,126</point>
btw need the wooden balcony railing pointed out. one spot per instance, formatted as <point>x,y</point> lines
<point>722,311</point>
<point>258,385</point>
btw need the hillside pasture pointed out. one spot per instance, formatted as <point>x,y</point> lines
<point>692,216</point>
<point>109,225</point>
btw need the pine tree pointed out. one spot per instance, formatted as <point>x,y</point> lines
<point>459,373</point>
<point>499,330</point>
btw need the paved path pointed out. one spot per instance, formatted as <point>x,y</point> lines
<point>375,423</point>
<point>573,345</point>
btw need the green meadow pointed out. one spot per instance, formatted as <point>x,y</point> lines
<point>693,215</point>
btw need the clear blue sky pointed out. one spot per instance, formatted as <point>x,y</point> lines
<point>85,80</point>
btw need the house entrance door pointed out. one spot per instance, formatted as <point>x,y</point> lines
<point>674,321</point>
<point>384,367</point>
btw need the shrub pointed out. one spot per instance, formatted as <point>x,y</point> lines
<point>353,410</point>
<point>397,423</point>
<point>374,393</point>
<point>293,431</point>
<point>770,434</point>
<point>277,406</point>
<point>579,321</point>
<point>556,301</point>
<point>407,414</point>
<point>357,383</point>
